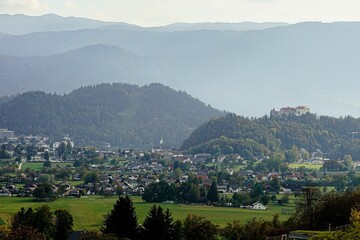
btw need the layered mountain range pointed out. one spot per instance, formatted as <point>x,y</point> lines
<point>243,69</point>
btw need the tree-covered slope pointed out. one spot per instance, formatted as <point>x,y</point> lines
<point>121,114</point>
<point>255,137</point>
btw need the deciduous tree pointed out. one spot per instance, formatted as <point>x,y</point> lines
<point>63,224</point>
<point>197,228</point>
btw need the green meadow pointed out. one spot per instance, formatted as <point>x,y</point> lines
<point>305,165</point>
<point>38,166</point>
<point>89,211</point>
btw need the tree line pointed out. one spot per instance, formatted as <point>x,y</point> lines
<point>317,209</point>
<point>185,192</point>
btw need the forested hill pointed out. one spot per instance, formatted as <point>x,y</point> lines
<point>120,114</point>
<point>255,137</point>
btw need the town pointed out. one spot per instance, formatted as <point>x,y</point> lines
<point>31,161</point>
<point>225,174</point>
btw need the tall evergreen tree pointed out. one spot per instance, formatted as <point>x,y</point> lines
<point>122,220</point>
<point>213,195</point>
<point>159,225</point>
<point>46,156</point>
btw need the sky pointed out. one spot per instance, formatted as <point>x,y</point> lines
<point>163,12</point>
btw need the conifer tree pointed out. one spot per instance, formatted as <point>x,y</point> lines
<point>213,195</point>
<point>159,225</point>
<point>122,220</point>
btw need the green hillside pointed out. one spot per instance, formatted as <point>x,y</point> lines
<point>120,114</point>
<point>260,136</point>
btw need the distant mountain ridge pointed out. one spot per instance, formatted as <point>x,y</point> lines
<point>219,26</point>
<point>247,72</point>
<point>123,115</point>
<point>19,24</point>
<point>62,73</point>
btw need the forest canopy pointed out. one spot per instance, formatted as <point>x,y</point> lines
<point>257,136</point>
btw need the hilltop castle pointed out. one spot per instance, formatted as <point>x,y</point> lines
<point>290,111</point>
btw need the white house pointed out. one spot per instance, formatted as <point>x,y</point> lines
<point>222,189</point>
<point>259,206</point>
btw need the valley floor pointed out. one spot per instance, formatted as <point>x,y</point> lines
<point>89,211</point>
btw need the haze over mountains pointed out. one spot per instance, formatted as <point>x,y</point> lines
<point>238,69</point>
<point>21,24</point>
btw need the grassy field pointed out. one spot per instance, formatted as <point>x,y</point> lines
<point>306,165</point>
<point>36,166</point>
<point>88,211</point>
<point>73,183</point>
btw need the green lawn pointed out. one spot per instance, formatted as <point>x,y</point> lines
<point>36,166</point>
<point>72,183</point>
<point>306,165</point>
<point>88,211</point>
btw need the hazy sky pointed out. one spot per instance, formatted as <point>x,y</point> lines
<point>162,12</point>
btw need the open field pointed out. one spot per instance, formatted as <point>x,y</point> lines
<point>72,183</point>
<point>306,165</point>
<point>88,211</point>
<point>37,166</point>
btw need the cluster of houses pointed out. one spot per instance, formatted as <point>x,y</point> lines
<point>42,143</point>
<point>137,169</point>
<point>137,173</point>
<point>7,135</point>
